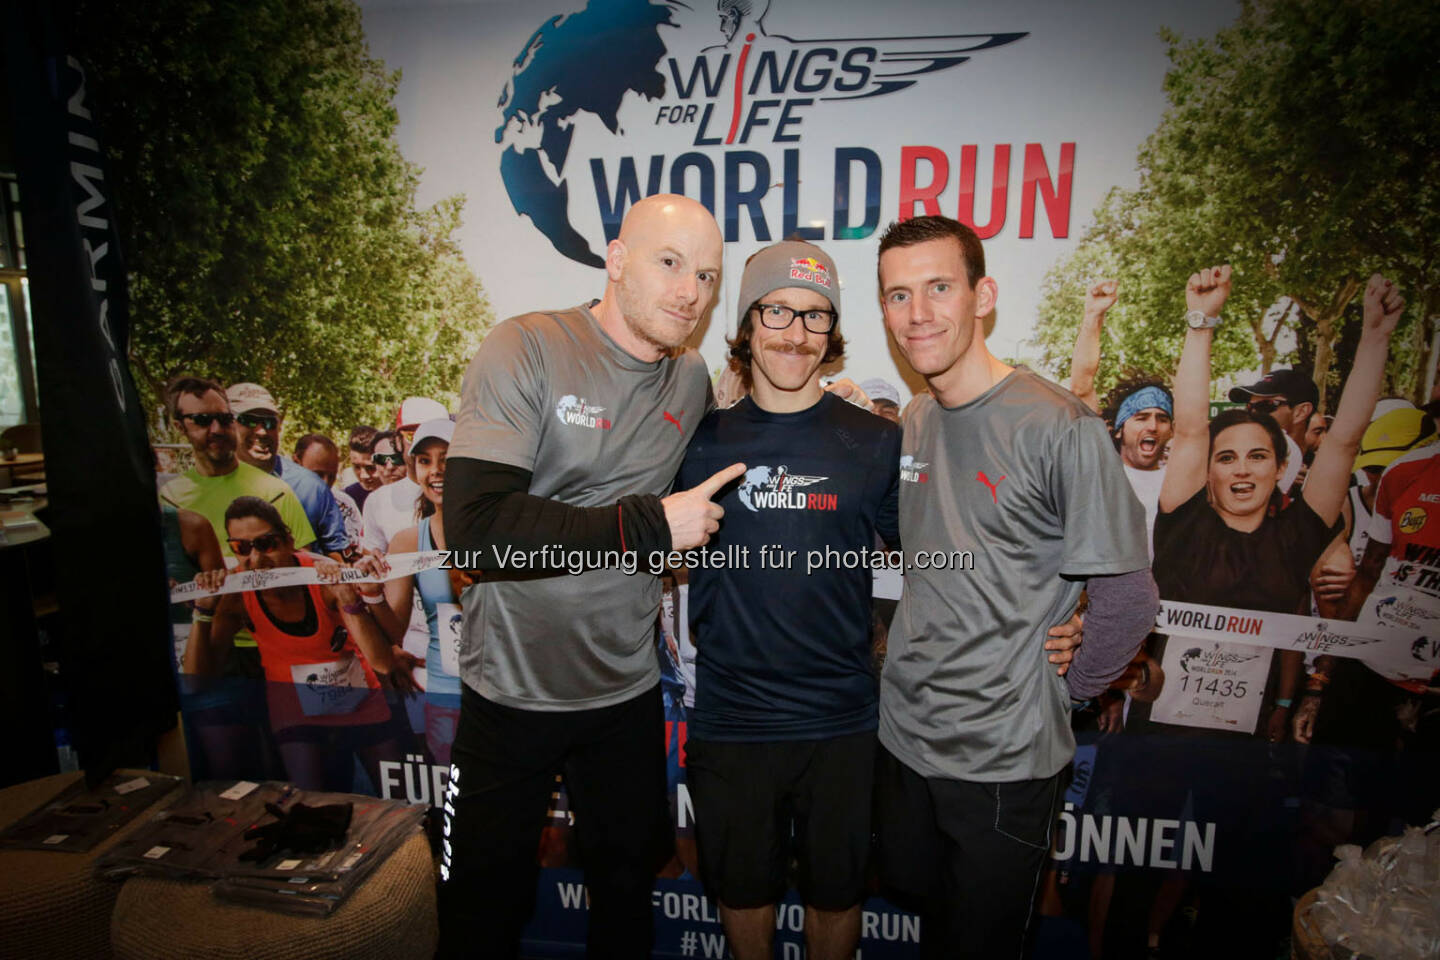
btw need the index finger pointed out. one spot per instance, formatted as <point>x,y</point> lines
<point>720,478</point>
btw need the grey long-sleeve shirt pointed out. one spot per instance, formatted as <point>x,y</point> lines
<point>1121,614</point>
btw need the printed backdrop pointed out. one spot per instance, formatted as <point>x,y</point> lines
<point>828,121</point>
<point>1018,116</point>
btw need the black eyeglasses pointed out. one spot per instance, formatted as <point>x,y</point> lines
<point>253,420</point>
<point>1266,406</point>
<point>265,543</point>
<point>388,459</point>
<point>777,316</point>
<point>205,419</point>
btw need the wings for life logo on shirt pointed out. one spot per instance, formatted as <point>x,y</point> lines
<point>913,471</point>
<point>575,412</point>
<point>776,488</point>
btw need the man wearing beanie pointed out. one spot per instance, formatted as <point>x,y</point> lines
<point>781,738</point>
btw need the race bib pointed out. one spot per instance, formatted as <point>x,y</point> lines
<point>328,689</point>
<point>1212,684</point>
<point>447,626</point>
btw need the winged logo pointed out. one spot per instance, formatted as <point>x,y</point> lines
<point>777,479</point>
<point>576,407</point>
<point>899,59</point>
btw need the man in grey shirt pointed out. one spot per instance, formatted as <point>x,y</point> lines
<point>571,426</point>
<point>1013,483</point>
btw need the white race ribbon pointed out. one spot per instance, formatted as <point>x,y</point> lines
<point>1394,654</point>
<point>401,565</point>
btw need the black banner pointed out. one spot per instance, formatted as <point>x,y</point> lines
<point>103,509</point>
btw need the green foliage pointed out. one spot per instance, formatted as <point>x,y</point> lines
<point>269,218</point>
<point>1300,145</point>
<point>1147,253</point>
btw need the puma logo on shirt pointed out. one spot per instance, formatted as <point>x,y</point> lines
<point>986,480</point>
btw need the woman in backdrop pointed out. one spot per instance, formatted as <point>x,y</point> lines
<point>428,450</point>
<point>322,653</point>
<point>1224,537</point>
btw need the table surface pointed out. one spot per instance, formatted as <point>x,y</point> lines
<point>30,532</point>
<point>22,460</point>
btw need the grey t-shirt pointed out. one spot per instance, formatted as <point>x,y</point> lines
<point>1025,478</point>
<point>553,394</point>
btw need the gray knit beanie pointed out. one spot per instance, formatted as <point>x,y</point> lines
<point>790,263</point>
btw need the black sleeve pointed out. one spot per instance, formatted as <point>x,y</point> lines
<point>887,521</point>
<point>488,507</point>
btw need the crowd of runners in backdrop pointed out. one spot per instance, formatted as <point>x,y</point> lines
<point>1274,504</point>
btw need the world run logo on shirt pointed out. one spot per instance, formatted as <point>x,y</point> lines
<point>577,413</point>
<point>775,488</point>
<point>912,470</point>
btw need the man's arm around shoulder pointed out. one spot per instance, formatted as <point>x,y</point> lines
<point>1121,614</point>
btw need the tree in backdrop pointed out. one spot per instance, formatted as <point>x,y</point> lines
<point>271,223</point>
<point>1300,145</point>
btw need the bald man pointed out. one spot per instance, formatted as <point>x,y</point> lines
<point>571,427</point>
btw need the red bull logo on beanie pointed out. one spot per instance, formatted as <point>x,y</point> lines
<point>809,270</point>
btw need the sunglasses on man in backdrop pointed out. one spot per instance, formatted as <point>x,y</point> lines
<point>265,543</point>
<point>205,419</point>
<point>253,420</point>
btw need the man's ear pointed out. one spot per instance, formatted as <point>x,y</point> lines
<point>1303,412</point>
<point>615,259</point>
<point>987,293</point>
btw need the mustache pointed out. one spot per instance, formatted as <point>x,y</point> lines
<point>803,349</point>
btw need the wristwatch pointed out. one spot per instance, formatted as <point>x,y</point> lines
<point>1197,320</point>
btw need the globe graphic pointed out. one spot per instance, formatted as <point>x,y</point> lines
<point>554,79</point>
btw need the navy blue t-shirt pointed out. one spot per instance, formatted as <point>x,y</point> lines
<point>782,654</point>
